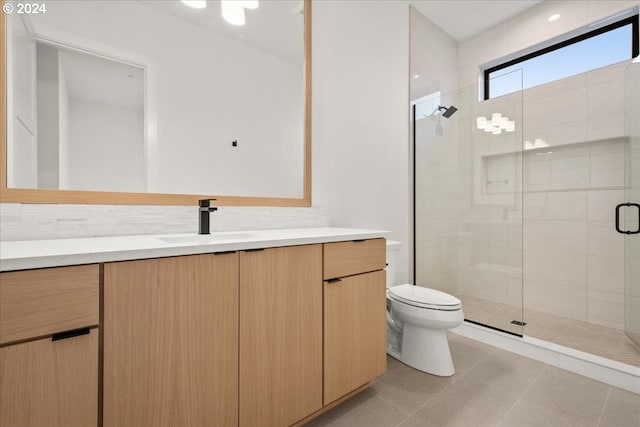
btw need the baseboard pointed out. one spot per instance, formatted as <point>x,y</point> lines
<point>608,371</point>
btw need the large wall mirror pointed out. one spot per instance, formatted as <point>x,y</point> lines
<point>156,102</point>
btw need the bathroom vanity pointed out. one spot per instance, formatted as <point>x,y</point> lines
<point>234,329</point>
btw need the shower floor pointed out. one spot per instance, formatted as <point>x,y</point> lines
<point>590,338</point>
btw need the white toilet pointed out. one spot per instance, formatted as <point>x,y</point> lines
<point>417,322</point>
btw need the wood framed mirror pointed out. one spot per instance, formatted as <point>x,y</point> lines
<point>230,161</point>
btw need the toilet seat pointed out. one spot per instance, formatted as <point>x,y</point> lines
<point>425,298</point>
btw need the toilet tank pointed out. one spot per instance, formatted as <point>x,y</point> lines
<point>392,261</point>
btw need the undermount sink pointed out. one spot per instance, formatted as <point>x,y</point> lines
<point>204,239</point>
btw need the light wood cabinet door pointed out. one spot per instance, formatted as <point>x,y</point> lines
<point>50,383</point>
<point>171,342</point>
<point>354,333</point>
<point>280,335</point>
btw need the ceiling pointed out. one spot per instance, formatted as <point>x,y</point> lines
<point>270,27</point>
<point>276,26</point>
<point>463,19</point>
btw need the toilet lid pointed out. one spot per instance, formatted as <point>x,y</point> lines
<point>424,297</point>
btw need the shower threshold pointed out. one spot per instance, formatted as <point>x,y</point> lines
<point>617,374</point>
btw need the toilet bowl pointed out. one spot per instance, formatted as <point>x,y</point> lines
<point>418,319</point>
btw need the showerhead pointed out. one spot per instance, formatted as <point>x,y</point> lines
<point>447,112</point>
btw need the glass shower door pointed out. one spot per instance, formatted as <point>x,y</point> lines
<point>468,203</point>
<point>628,213</point>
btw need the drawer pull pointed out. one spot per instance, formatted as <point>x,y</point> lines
<point>70,334</point>
<point>334,280</point>
<point>225,253</point>
<point>254,250</point>
<point>359,241</point>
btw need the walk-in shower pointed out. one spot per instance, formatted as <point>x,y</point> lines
<point>514,208</point>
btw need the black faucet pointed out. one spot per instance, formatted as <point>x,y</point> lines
<point>203,212</point>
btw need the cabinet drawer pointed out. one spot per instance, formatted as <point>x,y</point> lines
<point>354,257</point>
<point>50,383</point>
<point>36,303</point>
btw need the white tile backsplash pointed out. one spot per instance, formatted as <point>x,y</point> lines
<point>40,221</point>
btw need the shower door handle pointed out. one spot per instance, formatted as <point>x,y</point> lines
<point>627,205</point>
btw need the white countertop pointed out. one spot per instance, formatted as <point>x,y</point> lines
<point>27,254</point>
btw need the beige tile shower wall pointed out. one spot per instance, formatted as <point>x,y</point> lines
<point>573,257</point>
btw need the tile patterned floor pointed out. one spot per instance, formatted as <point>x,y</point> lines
<point>491,387</point>
<point>595,339</point>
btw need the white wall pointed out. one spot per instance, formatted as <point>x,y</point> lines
<point>360,116</point>
<point>22,150</point>
<point>96,160</point>
<point>47,110</point>
<point>63,128</point>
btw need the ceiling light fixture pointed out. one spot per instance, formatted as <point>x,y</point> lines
<point>553,18</point>
<point>232,12</point>
<point>196,4</point>
<point>496,124</point>
<point>416,76</point>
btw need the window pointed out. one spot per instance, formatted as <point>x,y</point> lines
<point>605,46</point>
